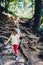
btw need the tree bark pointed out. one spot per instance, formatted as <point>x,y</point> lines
<point>37,15</point>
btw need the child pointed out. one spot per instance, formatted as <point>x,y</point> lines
<point>15,42</point>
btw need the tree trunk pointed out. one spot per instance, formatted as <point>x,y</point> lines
<point>37,15</point>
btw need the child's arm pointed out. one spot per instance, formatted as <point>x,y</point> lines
<point>18,40</point>
<point>7,41</point>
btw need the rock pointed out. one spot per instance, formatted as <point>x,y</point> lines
<point>39,63</point>
<point>24,51</point>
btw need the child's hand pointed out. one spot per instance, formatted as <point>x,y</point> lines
<point>5,42</point>
<point>24,34</point>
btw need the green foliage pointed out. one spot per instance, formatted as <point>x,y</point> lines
<point>42,12</point>
<point>41,26</point>
<point>42,17</point>
<point>22,8</point>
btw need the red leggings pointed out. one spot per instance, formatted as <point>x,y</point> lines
<point>15,46</point>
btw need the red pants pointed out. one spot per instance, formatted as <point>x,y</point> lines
<point>15,46</point>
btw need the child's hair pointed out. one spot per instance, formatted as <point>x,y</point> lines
<point>14,32</point>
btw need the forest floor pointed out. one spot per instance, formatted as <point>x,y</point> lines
<point>30,50</point>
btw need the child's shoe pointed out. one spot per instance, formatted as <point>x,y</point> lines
<point>17,57</point>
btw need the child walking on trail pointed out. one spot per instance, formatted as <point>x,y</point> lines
<point>14,38</point>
